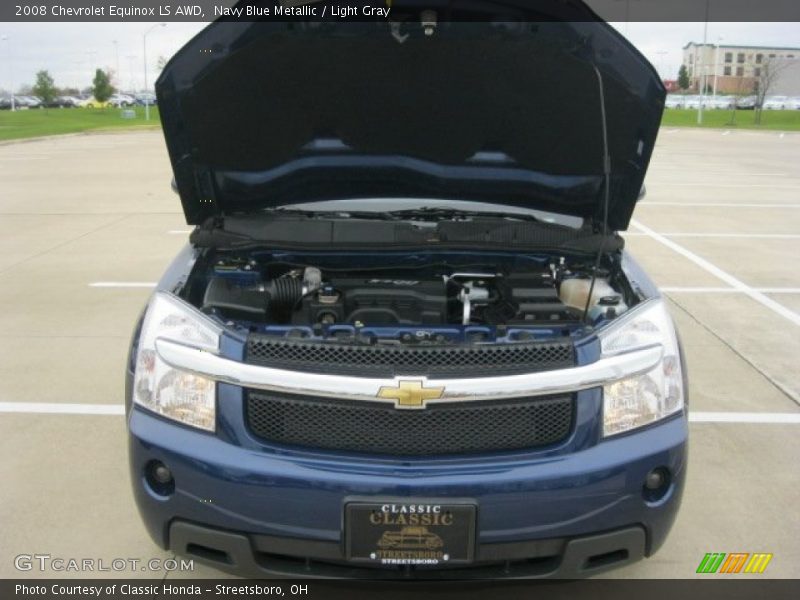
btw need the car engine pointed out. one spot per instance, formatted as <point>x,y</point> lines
<point>245,288</point>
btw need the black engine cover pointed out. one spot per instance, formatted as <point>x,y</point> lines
<point>379,301</point>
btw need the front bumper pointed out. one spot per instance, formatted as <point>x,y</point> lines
<point>281,513</point>
<point>259,556</point>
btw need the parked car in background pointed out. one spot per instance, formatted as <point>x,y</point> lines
<point>675,101</point>
<point>746,102</point>
<point>93,102</point>
<point>27,102</point>
<point>62,102</point>
<point>54,103</point>
<point>793,103</point>
<point>775,102</point>
<point>21,102</point>
<point>692,102</point>
<point>145,97</point>
<point>721,102</point>
<point>121,100</point>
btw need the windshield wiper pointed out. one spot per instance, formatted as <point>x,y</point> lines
<point>333,214</point>
<point>428,213</point>
<point>424,213</point>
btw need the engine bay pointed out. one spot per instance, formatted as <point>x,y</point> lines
<point>408,298</point>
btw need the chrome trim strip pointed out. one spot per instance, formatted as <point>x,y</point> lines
<point>605,370</point>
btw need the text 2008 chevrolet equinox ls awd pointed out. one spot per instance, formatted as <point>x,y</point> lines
<point>405,338</point>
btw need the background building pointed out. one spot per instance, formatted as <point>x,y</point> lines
<point>732,69</point>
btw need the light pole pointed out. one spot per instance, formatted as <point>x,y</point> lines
<point>116,52</point>
<point>705,69</point>
<point>146,89</point>
<point>10,72</point>
<point>716,66</point>
<point>117,74</point>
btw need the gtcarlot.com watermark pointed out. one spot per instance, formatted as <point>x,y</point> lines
<point>56,564</point>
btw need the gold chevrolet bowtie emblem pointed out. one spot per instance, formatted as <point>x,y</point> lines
<point>410,394</point>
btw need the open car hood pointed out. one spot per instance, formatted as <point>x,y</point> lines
<point>506,110</point>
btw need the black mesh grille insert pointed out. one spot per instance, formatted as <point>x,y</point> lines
<point>388,361</point>
<point>377,428</point>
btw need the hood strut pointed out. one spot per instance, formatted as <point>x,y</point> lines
<point>606,187</point>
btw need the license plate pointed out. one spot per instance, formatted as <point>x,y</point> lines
<point>410,532</point>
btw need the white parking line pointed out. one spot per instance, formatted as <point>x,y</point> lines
<point>726,290</point>
<point>667,163</point>
<point>759,297</point>
<point>743,417</point>
<point>61,409</point>
<point>732,185</point>
<point>122,284</point>
<point>57,408</point>
<point>666,176</point>
<point>719,204</point>
<point>765,236</point>
<point>25,158</point>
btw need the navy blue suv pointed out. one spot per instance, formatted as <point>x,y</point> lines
<point>405,338</point>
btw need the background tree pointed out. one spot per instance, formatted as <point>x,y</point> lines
<point>768,74</point>
<point>45,88</point>
<point>161,63</point>
<point>102,88</point>
<point>683,78</point>
<point>739,91</point>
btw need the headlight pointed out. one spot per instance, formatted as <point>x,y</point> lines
<point>642,399</point>
<point>170,392</point>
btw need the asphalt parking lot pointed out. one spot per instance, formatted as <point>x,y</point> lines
<point>87,223</point>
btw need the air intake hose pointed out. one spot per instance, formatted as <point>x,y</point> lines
<point>284,292</point>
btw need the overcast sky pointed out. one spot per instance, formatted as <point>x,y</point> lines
<point>71,51</point>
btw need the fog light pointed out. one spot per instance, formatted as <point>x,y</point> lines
<point>159,478</point>
<point>161,473</point>
<point>656,484</point>
<point>654,479</point>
